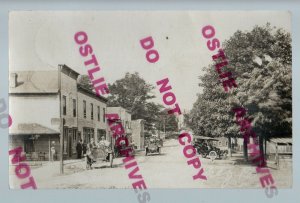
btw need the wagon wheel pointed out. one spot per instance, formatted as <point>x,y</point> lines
<point>212,155</point>
<point>111,160</point>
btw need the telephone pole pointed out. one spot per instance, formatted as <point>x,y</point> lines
<point>61,125</point>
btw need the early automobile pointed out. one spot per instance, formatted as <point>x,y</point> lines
<point>153,145</point>
<point>99,155</point>
<point>204,147</point>
<point>122,147</point>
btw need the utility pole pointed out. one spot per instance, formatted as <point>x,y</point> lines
<point>61,126</point>
<point>164,125</point>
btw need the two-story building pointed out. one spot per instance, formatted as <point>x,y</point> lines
<point>138,133</point>
<point>125,119</point>
<point>134,129</point>
<point>46,104</point>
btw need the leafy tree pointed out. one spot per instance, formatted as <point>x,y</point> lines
<point>166,122</point>
<point>260,60</point>
<point>133,93</point>
<point>85,82</point>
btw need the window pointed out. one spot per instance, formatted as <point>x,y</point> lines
<point>64,105</point>
<point>104,115</point>
<point>84,109</point>
<point>74,107</point>
<point>88,133</point>
<point>98,113</point>
<point>92,111</point>
<point>100,133</point>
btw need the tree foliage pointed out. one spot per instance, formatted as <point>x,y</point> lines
<point>260,60</point>
<point>134,94</point>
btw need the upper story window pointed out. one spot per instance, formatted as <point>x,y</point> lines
<point>74,107</point>
<point>84,108</point>
<point>64,105</point>
<point>92,111</point>
<point>104,115</point>
<point>98,113</point>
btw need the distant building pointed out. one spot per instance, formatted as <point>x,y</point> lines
<point>43,101</point>
<point>138,133</point>
<point>125,119</point>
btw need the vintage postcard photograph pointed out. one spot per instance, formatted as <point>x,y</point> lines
<point>150,99</point>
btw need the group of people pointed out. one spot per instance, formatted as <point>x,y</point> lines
<point>83,148</point>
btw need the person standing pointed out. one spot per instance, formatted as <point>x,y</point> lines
<point>84,148</point>
<point>52,149</point>
<point>89,155</point>
<point>79,149</point>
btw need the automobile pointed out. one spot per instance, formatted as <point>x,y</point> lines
<point>204,147</point>
<point>123,147</point>
<point>98,155</point>
<point>153,145</point>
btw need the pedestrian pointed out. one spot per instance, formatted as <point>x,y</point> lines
<point>52,149</point>
<point>104,143</point>
<point>90,157</point>
<point>79,149</point>
<point>84,148</point>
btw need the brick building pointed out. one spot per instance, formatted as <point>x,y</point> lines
<point>45,103</point>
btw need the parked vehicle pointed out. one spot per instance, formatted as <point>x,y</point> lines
<point>205,148</point>
<point>99,155</point>
<point>153,145</point>
<point>123,147</point>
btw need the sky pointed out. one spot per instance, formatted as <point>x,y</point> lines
<point>40,40</point>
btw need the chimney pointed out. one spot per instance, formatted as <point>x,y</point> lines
<point>13,80</point>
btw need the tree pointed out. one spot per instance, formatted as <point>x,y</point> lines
<point>260,60</point>
<point>85,82</point>
<point>166,122</point>
<point>133,93</point>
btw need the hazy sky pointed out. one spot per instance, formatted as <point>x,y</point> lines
<point>42,40</point>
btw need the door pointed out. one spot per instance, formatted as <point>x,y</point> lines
<point>70,142</point>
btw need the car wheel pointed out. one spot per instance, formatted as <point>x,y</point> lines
<point>212,155</point>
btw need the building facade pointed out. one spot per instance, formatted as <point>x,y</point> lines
<point>138,133</point>
<point>125,119</point>
<point>46,104</point>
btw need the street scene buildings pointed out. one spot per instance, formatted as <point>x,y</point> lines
<point>72,138</point>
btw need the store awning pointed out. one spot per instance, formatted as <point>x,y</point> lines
<point>32,129</point>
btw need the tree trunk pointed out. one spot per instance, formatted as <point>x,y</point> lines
<point>245,150</point>
<point>229,146</point>
<point>265,148</point>
<point>235,141</point>
<point>261,149</point>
